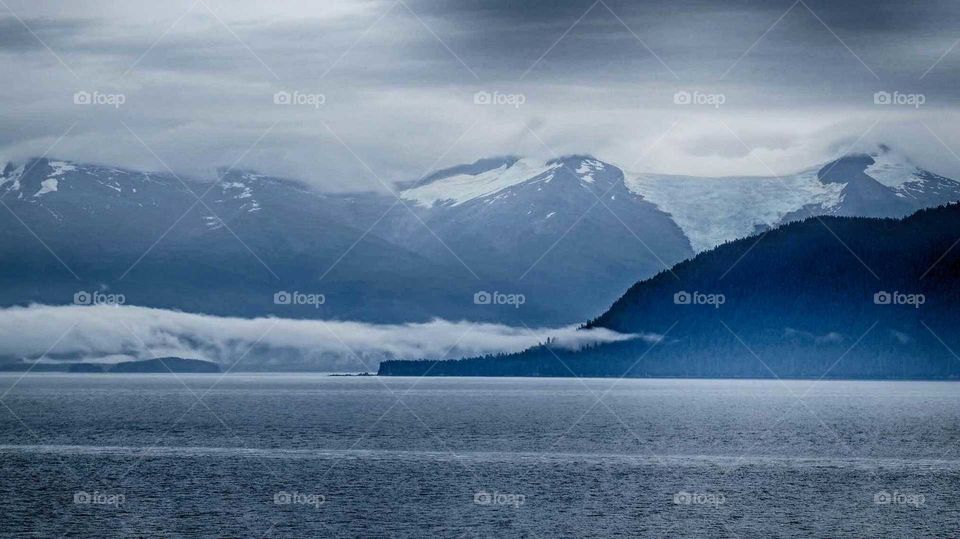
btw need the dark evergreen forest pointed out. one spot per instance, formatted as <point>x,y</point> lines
<point>833,297</point>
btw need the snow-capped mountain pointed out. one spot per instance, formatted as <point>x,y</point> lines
<point>712,211</point>
<point>569,234</point>
<point>567,231</point>
<point>89,189</point>
<point>221,248</point>
<point>494,179</point>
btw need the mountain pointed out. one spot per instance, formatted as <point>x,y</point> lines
<point>881,183</point>
<point>840,297</point>
<point>161,365</point>
<point>82,229</point>
<point>567,232</point>
<point>548,243</point>
<point>544,236</point>
<point>165,365</point>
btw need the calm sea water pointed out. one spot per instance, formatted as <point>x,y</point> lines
<point>311,456</point>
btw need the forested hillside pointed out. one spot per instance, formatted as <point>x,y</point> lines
<point>837,297</point>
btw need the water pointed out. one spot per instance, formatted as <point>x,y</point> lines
<point>371,457</point>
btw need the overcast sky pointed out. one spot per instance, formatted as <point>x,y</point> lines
<point>783,85</point>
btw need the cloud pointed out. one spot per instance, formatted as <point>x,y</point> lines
<point>399,78</point>
<point>24,36</point>
<point>106,333</point>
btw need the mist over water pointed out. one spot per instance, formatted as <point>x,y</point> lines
<point>111,333</point>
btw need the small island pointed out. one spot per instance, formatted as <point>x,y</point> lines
<point>160,365</point>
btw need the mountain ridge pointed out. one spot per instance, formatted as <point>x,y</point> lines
<point>569,234</point>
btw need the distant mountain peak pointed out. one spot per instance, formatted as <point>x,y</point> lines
<point>882,164</point>
<point>488,177</point>
<point>585,167</point>
<point>880,154</point>
<point>572,158</point>
<point>463,186</point>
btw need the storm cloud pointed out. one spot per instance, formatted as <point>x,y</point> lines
<point>398,78</point>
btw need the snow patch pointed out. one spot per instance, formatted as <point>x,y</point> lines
<point>245,192</point>
<point>52,182</point>
<point>463,188</point>
<point>116,186</point>
<point>60,168</point>
<point>213,222</point>
<point>587,168</point>
<point>892,170</point>
<point>47,186</point>
<point>15,176</point>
